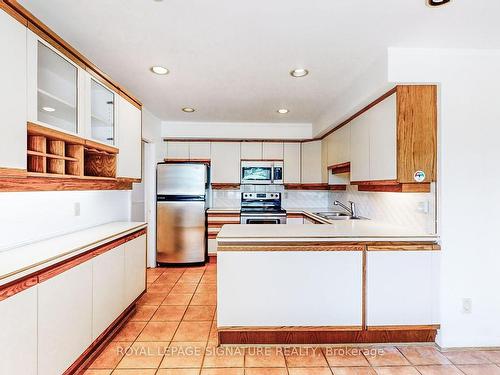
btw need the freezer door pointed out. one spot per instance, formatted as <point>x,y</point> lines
<point>181,179</point>
<point>181,232</point>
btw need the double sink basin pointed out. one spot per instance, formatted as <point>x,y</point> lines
<point>337,216</point>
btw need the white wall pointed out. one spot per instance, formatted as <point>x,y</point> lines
<point>469,177</point>
<point>365,89</point>
<point>30,216</point>
<point>240,130</point>
<point>151,132</point>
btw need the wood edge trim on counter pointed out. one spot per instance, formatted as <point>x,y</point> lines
<point>399,188</point>
<point>212,236</point>
<point>13,173</point>
<point>219,224</point>
<point>225,186</point>
<point>295,215</point>
<point>100,343</point>
<point>12,288</point>
<point>421,247</point>
<point>298,247</point>
<point>172,160</point>
<point>340,168</point>
<point>19,12</point>
<point>288,328</point>
<point>298,337</point>
<point>42,183</point>
<point>404,327</point>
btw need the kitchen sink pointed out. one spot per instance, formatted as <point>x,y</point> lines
<point>337,216</point>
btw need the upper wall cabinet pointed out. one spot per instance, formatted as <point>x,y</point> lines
<point>55,87</point>
<point>251,150</point>
<point>195,151</point>
<point>393,144</point>
<point>225,161</point>
<point>292,163</point>
<point>272,151</point>
<point>373,143</point>
<point>129,136</point>
<point>338,146</point>
<point>12,96</point>
<point>312,163</point>
<point>101,111</point>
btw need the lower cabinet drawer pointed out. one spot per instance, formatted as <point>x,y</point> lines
<point>64,318</point>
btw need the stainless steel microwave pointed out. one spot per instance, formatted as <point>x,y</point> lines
<point>262,172</point>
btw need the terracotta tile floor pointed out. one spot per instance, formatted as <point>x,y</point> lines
<point>173,332</point>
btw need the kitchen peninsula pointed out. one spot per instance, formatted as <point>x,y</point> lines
<point>356,281</point>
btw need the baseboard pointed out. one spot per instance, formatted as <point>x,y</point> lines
<point>212,258</point>
<point>327,336</point>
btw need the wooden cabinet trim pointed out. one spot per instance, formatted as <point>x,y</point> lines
<point>223,186</point>
<point>16,286</point>
<point>13,172</point>
<point>173,160</point>
<point>340,168</point>
<point>48,182</point>
<point>21,14</point>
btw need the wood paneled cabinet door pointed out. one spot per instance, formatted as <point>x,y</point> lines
<point>64,318</point>
<point>135,268</point>
<point>225,163</point>
<point>129,140</point>
<point>408,294</point>
<point>18,333</point>
<point>108,289</point>
<point>292,163</point>
<point>13,94</point>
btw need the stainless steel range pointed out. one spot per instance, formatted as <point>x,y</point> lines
<point>262,208</point>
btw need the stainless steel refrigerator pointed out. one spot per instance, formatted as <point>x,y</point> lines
<point>181,199</point>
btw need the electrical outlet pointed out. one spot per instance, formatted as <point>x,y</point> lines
<point>466,305</point>
<point>77,208</point>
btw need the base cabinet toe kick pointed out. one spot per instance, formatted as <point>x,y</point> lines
<point>55,320</point>
<point>355,294</point>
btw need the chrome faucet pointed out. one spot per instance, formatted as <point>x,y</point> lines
<point>351,210</point>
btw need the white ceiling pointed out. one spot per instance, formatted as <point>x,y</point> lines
<point>230,59</point>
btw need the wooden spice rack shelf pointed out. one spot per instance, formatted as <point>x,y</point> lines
<point>53,153</point>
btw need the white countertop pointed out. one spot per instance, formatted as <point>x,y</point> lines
<point>21,261</point>
<point>342,230</point>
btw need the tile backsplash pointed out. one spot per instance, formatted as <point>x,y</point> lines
<point>413,210</point>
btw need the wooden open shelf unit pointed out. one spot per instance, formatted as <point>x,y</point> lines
<point>53,153</point>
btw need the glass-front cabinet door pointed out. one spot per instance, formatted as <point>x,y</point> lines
<point>102,113</point>
<point>57,89</point>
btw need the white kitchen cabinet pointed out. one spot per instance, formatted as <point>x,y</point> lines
<point>108,287</point>
<point>225,163</point>
<point>129,139</point>
<point>177,150</point>
<point>360,148</point>
<point>293,301</point>
<point>199,150</point>
<point>135,268</point>
<point>338,146</point>
<point>272,151</point>
<point>251,150</point>
<point>402,288</point>
<point>295,220</point>
<point>212,246</point>
<point>383,140</point>
<point>292,163</point>
<point>55,87</point>
<point>13,93</point>
<point>18,332</point>
<point>312,163</point>
<point>64,318</point>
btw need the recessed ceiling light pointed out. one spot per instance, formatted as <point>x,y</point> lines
<point>188,109</point>
<point>282,111</point>
<point>159,70</point>
<point>299,73</point>
<point>48,109</point>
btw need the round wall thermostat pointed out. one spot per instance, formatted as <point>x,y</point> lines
<point>419,176</point>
